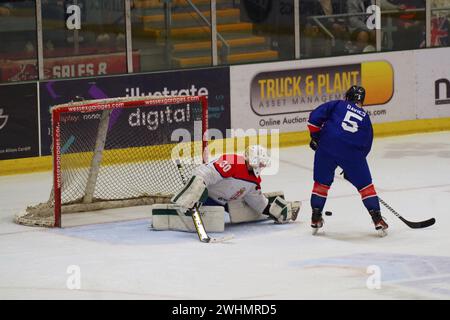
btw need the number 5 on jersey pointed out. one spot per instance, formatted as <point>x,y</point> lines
<point>350,125</point>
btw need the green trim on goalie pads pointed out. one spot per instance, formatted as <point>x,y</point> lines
<point>280,207</point>
<point>183,190</point>
<point>203,196</point>
<point>165,212</point>
<point>273,195</point>
<point>280,204</point>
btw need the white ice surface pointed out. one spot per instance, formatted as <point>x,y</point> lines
<point>127,260</point>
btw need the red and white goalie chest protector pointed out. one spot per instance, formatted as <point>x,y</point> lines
<point>227,178</point>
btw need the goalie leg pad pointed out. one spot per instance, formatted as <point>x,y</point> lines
<point>165,217</point>
<point>240,211</point>
<point>194,191</point>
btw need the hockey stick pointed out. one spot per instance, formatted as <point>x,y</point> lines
<point>195,214</point>
<point>411,224</point>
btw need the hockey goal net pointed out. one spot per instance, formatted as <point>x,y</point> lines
<point>120,152</point>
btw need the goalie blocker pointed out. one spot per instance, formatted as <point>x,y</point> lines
<point>168,216</point>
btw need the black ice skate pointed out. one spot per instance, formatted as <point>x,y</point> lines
<point>380,225</point>
<point>316,220</point>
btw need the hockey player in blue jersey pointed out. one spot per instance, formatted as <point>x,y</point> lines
<point>341,135</point>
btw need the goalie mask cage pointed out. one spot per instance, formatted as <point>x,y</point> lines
<point>120,152</point>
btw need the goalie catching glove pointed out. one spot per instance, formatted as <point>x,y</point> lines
<point>283,211</point>
<point>193,192</point>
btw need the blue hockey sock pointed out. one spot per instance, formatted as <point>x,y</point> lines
<point>318,202</point>
<point>372,203</point>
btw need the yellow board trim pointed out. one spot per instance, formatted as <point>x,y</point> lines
<point>288,139</point>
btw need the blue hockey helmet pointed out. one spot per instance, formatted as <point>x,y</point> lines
<point>355,94</point>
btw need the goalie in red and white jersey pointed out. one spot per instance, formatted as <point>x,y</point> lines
<point>234,182</point>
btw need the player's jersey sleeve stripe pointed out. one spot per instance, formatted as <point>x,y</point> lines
<point>313,128</point>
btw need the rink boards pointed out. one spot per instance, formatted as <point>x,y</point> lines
<point>408,92</point>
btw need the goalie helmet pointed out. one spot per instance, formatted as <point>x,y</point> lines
<point>355,94</point>
<point>257,157</point>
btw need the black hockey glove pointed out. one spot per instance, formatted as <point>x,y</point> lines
<point>314,143</point>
